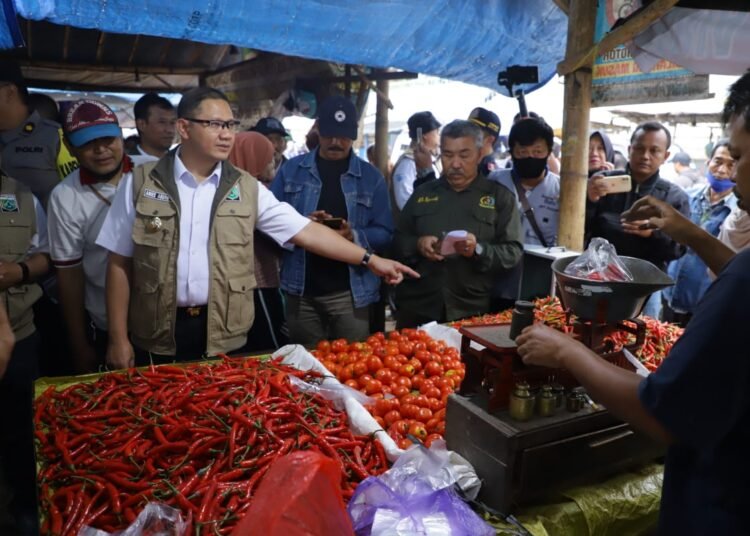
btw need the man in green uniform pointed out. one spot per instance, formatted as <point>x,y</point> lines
<point>459,232</point>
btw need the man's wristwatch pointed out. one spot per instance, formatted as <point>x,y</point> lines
<point>478,249</point>
<point>366,259</point>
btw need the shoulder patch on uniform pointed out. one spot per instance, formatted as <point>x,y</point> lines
<point>487,201</point>
<point>158,196</point>
<point>8,203</point>
<point>234,194</point>
<point>428,199</point>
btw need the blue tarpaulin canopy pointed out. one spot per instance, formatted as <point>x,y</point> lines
<point>465,40</point>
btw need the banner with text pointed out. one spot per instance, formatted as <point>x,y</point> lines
<point>618,80</point>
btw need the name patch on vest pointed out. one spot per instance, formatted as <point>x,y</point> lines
<point>8,203</point>
<point>158,196</point>
<point>234,194</point>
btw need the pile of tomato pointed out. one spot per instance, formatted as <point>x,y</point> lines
<point>407,372</point>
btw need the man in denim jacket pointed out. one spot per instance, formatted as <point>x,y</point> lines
<point>325,298</point>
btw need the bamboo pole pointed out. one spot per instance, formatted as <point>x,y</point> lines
<point>574,173</point>
<point>381,127</point>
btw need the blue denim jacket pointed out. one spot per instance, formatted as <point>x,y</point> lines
<point>369,215</point>
<point>689,271</point>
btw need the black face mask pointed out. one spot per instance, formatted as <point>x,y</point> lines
<point>529,168</point>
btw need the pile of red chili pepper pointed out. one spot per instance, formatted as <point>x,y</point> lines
<point>198,438</point>
<point>548,310</point>
<point>660,337</point>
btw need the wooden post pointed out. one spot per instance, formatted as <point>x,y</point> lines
<point>381,128</point>
<point>575,146</point>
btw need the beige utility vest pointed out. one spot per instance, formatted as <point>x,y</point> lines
<point>153,300</point>
<point>17,228</point>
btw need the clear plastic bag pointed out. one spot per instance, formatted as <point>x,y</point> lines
<point>154,520</point>
<point>599,263</point>
<point>416,498</point>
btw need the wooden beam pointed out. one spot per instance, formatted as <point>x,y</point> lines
<point>66,43</point>
<point>100,47</point>
<point>59,66</point>
<point>575,145</point>
<point>381,127</point>
<point>164,51</point>
<point>29,41</point>
<point>622,34</point>
<point>564,5</point>
<point>112,88</point>
<point>133,49</point>
<point>373,87</point>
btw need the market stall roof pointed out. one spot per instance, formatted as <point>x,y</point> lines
<point>465,41</point>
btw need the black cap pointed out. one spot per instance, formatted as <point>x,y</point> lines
<point>11,72</point>
<point>424,120</point>
<point>337,118</point>
<point>486,120</point>
<point>269,125</point>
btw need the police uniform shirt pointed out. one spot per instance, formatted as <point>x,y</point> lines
<point>276,219</point>
<point>544,198</point>
<point>29,154</point>
<point>76,215</point>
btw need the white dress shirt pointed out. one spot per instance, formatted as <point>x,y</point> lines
<point>278,220</point>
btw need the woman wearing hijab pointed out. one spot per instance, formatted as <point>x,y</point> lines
<point>601,153</point>
<point>253,152</point>
<point>709,208</point>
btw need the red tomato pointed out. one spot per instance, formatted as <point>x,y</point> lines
<point>432,392</point>
<point>359,369</point>
<point>406,370</point>
<point>404,443</point>
<point>323,346</point>
<point>346,373</point>
<point>399,427</point>
<point>391,362</point>
<point>417,381</point>
<point>374,364</point>
<point>435,404</point>
<point>423,356</point>
<point>403,380</point>
<point>394,336</point>
<point>430,425</point>
<point>424,385</point>
<point>384,375</point>
<point>418,430</point>
<point>410,411</point>
<point>391,417</point>
<point>399,390</point>
<point>406,348</point>
<point>339,345</point>
<point>440,428</point>
<point>433,368</point>
<point>430,438</point>
<point>373,387</point>
<point>352,383</point>
<point>424,414</point>
<point>443,382</point>
<point>402,359</point>
<point>382,407</point>
<point>420,345</point>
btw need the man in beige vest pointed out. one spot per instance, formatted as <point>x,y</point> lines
<point>180,235</point>
<point>23,259</point>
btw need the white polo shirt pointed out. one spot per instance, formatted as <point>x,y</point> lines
<point>544,198</point>
<point>276,219</point>
<point>76,214</point>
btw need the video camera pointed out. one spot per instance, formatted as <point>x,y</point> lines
<point>516,75</point>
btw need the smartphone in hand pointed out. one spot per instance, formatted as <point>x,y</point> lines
<point>333,223</point>
<point>617,184</point>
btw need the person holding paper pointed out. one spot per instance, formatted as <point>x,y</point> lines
<point>460,231</point>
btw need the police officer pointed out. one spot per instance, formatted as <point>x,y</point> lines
<point>456,275</point>
<point>180,236</point>
<point>29,144</point>
<point>23,260</point>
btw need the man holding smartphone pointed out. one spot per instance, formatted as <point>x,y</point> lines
<point>327,298</point>
<point>648,150</point>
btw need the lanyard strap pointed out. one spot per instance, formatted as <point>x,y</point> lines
<point>528,210</point>
<point>98,194</point>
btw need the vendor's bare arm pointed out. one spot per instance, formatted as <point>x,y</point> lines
<point>7,340</point>
<point>321,240</point>
<point>120,351</point>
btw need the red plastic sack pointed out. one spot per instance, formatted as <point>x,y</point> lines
<point>300,496</point>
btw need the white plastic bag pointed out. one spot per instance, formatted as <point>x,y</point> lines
<point>155,519</point>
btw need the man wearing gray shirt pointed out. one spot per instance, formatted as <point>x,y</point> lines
<point>536,189</point>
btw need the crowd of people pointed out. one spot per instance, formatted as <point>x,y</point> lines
<point>150,252</point>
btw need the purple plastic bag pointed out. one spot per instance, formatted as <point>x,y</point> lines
<point>415,509</point>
